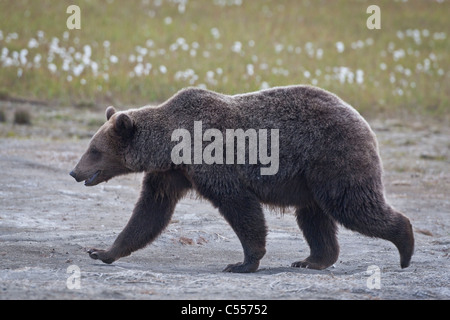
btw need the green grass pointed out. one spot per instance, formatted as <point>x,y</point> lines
<point>405,65</point>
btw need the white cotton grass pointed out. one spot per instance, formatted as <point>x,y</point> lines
<point>59,60</point>
<point>237,47</point>
<point>399,61</point>
<point>215,33</point>
<point>340,46</point>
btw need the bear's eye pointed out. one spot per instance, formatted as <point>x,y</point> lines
<point>95,153</point>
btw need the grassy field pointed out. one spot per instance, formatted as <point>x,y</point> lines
<point>143,51</point>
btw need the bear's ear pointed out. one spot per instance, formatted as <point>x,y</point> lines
<point>124,125</point>
<point>109,112</point>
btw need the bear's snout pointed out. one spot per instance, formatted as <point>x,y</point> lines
<point>74,175</point>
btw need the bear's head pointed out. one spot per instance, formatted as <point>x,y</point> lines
<point>105,157</point>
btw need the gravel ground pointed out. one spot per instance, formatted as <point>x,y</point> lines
<point>47,221</point>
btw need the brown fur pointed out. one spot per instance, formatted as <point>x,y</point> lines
<point>329,170</point>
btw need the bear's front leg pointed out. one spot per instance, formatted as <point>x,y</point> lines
<point>160,193</point>
<point>246,217</point>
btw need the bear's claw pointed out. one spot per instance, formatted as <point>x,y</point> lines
<point>100,255</point>
<point>242,267</point>
<point>307,264</point>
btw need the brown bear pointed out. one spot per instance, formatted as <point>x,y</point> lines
<point>325,164</point>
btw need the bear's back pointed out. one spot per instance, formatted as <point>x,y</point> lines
<point>312,122</point>
<point>271,108</point>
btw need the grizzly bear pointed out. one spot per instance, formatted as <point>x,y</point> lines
<point>326,165</point>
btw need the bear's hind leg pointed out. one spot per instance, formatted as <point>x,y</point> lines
<point>365,210</point>
<point>403,238</point>
<point>319,230</point>
<point>386,223</point>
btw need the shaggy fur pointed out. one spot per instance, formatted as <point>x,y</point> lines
<point>329,170</point>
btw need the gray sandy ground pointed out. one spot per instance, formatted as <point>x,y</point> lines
<point>47,221</point>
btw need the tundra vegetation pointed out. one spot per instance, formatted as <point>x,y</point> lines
<point>146,50</point>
